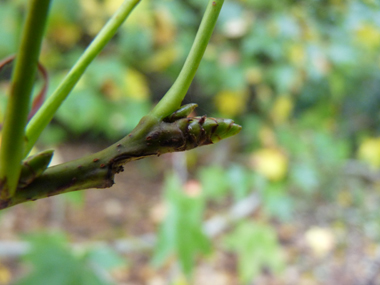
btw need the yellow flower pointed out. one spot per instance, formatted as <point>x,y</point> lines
<point>369,151</point>
<point>296,54</point>
<point>369,36</point>
<point>271,163</point>
<point>267,136</point>
<point>281,109</point>
<point>231,103</point>
<point>254,75</point>
<point>162,59</point>
<point>136,85</point>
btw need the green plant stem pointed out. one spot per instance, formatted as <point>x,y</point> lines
<point>97,170</point>
<point>173,98</point>
<point>45,114</point>
<point>12,145</point>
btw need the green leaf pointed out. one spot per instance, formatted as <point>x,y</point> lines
<point>233,79</point>
<point>240,181</point>
<point>330,150</point>
<point>181,232</point>
<point>180,12</point>
<point>10,34</point>
<point>257,248</point>
<point>102,71</point>
<point>283,77</point>
<point>75,198</point>
<point>136,43</point>
<point>277,202</point>
<point>88,108</point>
<point>305,176</point>
<point>53,135</point>
<point>54,263</point>
<point>106,258</point>
<point>214,181</point>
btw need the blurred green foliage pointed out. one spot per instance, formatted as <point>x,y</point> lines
<point>181,232</point>
<point>257,247</point>
<point>301,77</point>
<point>53,262</point>
<point>321,55</point>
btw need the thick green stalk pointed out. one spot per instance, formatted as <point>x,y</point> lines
<point>173,98</point>
<point>175,133</point>
<point>45,114</point>
<point>13,136</point>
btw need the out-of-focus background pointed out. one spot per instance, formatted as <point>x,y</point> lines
<point>293,199</point>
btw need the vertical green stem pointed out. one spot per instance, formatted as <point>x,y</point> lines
<point>173,98</point>
<point>44,115</point>
<point>11,151</point>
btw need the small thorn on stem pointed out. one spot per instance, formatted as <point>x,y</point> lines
<point>202,120</point>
